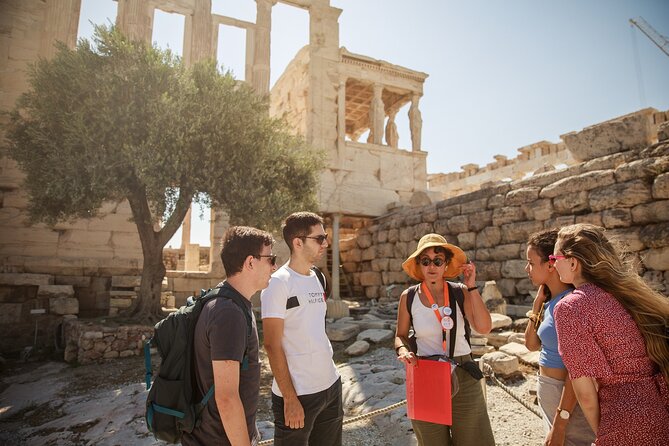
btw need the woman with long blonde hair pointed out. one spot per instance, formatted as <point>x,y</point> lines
<point>563,419</point>
<point>612,336</point>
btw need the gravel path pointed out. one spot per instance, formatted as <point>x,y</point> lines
<point>512,423</point>
<point>56,404</point>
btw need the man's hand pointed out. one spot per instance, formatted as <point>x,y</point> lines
<point>293,413</point>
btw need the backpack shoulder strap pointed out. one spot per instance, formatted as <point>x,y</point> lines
<point>224,292</point>
<point>321,279</point>
<point>456,290</point>
<point>411,294</point>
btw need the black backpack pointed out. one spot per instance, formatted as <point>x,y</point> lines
<point>171,405</point>
<point>321,279</point>
<point>456,294</point>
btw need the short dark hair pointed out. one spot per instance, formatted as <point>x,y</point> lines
<point>298,224</point>
<point>543,242</point>
<point>448,254</point>
<point>239,242</point>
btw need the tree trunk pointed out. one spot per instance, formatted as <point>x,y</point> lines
<point>148,307</point>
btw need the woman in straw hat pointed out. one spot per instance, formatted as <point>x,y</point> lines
<point>432,308</point>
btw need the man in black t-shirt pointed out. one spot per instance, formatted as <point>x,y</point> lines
<point>225,355</point>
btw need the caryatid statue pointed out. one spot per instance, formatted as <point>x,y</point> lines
<point>415,122</point>
<point>392,138</point>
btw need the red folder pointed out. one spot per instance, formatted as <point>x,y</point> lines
<point>429,392</point>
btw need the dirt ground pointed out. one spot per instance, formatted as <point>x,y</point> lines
<point>49,403</point>
<point>93,378</point>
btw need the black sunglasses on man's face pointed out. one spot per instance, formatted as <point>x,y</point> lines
<point>271,257</point>
<point>320,239</point>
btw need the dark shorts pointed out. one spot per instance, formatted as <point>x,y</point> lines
<point>323,416</point>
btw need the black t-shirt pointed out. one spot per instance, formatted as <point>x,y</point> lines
<point>220,334</point>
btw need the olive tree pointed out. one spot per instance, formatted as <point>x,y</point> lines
<point>116,119</point>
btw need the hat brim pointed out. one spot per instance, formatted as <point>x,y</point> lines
<point>412,268</point>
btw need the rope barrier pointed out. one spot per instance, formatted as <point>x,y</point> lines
<point>491,374</point>
<point>486,369</point>
<point>356,418</point>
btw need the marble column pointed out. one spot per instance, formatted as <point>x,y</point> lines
<point>335,257</point>
<point>185,228</point>
<point>336,308</point>
<point>61,21</point>
<point>219,223</point>
<point>135,19</point>
<point>261,40</point>
<point>199,32</point>
<point>341,117</point>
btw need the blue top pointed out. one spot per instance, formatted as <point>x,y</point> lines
<point>549,356</point>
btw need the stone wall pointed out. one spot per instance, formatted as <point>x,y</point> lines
<point>289,95</point>
<point>545,156</point>
<point>534,158</point>
<point>88,342</point>
<point>175,258</point>
<point>372,178</point>
<point>626,192</point>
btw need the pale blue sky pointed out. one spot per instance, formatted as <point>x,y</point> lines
<point>503,74</point>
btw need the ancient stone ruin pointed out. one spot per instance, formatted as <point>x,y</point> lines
<point>620,183</point>
<point>376,196</point>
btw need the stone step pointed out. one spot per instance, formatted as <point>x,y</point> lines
<point>125,281</point>
<point>123,293</point>
<point>19,279</point>
<point>517,310</point>
<point>55,291</point>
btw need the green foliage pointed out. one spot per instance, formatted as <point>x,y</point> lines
<point>118,119</point>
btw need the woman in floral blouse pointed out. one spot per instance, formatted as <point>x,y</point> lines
<point>612,336</point>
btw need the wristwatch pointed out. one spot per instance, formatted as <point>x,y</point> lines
<point>564,414</point>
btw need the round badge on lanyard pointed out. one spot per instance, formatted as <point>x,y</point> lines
<point>447,311</point>
<point>434,307</point>
<point>447,322</point>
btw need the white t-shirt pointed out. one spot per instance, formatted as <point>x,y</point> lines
<point>307,347</point>
<point>428,330</point>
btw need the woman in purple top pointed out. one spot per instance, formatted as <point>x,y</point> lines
<point>612,335</point>
<point>564,420</point>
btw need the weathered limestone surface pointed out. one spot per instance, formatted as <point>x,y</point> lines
<point>25,279</point>
<point>631,131</point>
<point>87,343</point>
<point>331,97</point>
<point>502,364</point>
<point>625,192</point>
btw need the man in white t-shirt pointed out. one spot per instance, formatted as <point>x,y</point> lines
<point>306,392</point>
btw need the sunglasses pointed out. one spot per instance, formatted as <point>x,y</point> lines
<point>271,257</point>
<point>320,239</point>
<point>552,259</point>
<point>438,261</point>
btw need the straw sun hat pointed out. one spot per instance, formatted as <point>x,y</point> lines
<point>412,268</point>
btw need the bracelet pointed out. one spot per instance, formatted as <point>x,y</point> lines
<point>397,349</point>
<point>472,288</point>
